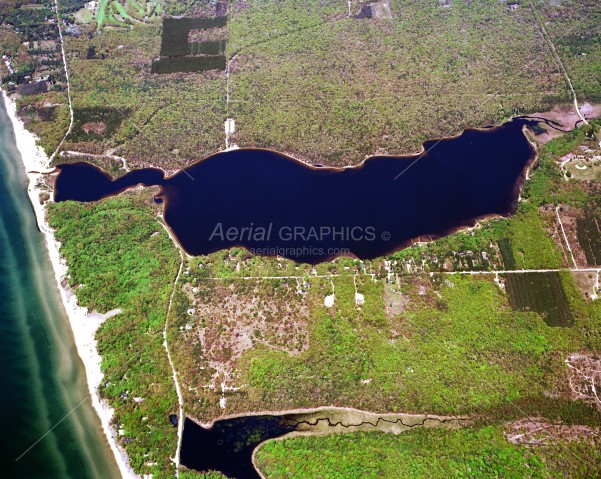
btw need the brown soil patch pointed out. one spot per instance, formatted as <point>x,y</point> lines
<point>96,127</point>
<point>228,318</point>
<point>381,9</point>
<point>539,432</point>
<point>585,281</point>
<point>566,117</point>
<point>584,375</point>
<point>569,218</point>
<point>395,302</point>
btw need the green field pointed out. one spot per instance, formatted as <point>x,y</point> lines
<point>532,248</point>
<point>114,13</point>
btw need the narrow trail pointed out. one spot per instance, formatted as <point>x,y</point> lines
<point>180,416</point>
<point>565,237</point>
<point>590,379</point>
<point>335,275</point>
<point>557,58</point>
<point>227,85</point>
<point>71,114</point>
<point>521,271</point>
<point>495,273</point>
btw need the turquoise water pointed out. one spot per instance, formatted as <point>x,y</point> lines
<point>42,378</point>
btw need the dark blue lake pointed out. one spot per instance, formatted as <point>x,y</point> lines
<point>275,205</point>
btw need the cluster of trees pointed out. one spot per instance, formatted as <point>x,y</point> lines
<point>574,29</point>
<point>453,251</point>
<point>176,8</point>
<point>35,23</point>
<point>49,123</point>
<point>545,185</point>
<point>521,242</point>
<point>12,47</point>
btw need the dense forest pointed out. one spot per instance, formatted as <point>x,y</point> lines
<point>120,256</point>
<point>307,79</point>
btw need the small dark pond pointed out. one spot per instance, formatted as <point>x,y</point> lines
<point>275,205</point>
<point>229,444</point>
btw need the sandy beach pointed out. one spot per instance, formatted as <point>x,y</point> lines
<point>83,324</point>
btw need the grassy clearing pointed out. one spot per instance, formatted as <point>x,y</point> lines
<point>129,13</point>
<point>101,12</point>
<point>530,242</point>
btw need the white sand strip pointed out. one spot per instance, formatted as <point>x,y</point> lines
<point>83,325</point>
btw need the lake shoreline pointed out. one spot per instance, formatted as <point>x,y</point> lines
<point>455,164</point>
<point>82,323</point>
